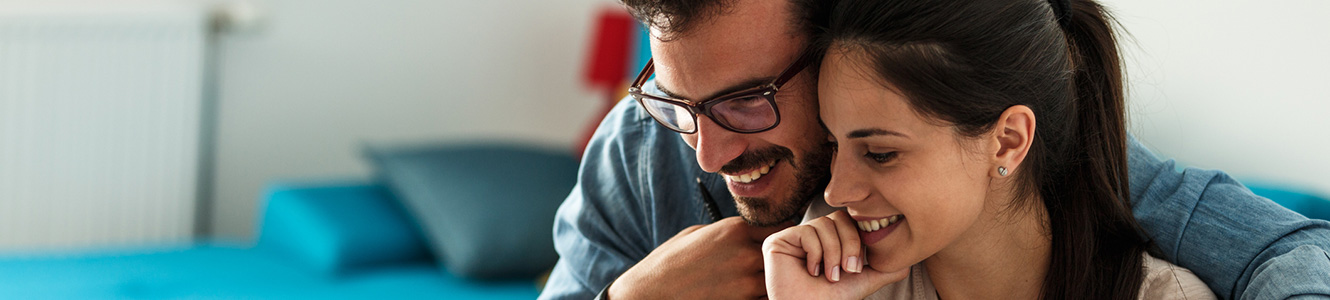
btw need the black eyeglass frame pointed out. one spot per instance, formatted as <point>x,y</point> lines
<point>766,91</point>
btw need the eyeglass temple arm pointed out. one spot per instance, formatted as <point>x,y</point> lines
<point>646,73</point>
<point>797,66</point>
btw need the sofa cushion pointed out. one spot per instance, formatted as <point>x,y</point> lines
<point>487,210</point>
<point>335,228</point>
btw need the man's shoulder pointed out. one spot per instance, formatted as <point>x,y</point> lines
<point>629,136</point>
<point>630,150</point>
<point>629,117</point>
<point>639,174</point>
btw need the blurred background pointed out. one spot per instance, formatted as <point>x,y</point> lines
<point>299,88</point>
<point>179,136</point>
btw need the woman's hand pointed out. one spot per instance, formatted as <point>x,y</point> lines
<point>821,260</point>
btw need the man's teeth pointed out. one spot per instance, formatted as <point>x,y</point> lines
<point>874,225</point>
<point>751,176</point>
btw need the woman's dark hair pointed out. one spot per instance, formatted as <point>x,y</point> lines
<point>966,62</point>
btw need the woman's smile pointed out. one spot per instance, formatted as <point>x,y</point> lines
<point>874,229</point>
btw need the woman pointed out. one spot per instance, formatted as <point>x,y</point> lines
<point>979,153</point>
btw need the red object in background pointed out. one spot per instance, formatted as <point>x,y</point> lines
<point>607,64</point>
<point>609,49</point>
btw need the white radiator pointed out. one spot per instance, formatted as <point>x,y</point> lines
<point>100,124</point>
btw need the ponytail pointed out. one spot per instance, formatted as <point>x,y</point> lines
<point>1099,98</point>
<point>1110,265</point>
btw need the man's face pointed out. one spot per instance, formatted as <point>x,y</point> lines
<point>747,46</point>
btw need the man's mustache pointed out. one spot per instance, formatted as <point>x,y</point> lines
<point>756,159</point>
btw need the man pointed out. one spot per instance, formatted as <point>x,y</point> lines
<point>639,224</point>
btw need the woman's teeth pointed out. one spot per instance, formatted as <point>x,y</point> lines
<point>751,176</point>
<point>874,225</point>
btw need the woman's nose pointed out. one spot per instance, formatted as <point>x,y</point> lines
<point>848,183</point>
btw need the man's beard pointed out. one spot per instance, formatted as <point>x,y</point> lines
<point>810,177</point>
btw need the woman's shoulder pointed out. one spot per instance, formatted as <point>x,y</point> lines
<point>1164,280</point>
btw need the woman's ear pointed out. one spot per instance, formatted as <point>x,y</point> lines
<point>1013,135</point>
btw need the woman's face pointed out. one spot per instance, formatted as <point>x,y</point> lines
<point>893,164</point>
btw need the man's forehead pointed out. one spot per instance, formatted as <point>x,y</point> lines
<point>744,47</point>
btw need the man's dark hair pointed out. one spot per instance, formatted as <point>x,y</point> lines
<point>675,17</point>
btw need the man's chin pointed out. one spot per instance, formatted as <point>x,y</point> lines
<point>791,197</point>
<point>762,212</point>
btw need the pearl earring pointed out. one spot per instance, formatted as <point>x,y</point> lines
<point>1002,171</point>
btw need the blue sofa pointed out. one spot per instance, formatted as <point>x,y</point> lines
<point>328,240</point>
<point>318,240</point>
<point>1303,202</point>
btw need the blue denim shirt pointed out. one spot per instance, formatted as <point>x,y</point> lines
<point>637,188</point>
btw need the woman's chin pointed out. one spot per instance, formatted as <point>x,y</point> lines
<point>892,262</point>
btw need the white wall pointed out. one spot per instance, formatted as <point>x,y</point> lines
<point>302,92</point>
<point>1234,85</point>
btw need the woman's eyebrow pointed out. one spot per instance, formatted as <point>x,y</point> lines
<point>867,132</point>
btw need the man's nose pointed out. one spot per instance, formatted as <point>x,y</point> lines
<point>716,146</point>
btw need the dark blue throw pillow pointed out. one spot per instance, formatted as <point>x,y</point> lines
<point>487,210</point>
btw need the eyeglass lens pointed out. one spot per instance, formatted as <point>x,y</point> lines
<point>744,114</point>
<point>671,115</point>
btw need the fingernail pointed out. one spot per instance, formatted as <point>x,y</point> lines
<point>835,274</point>
<point>818,270</point>
<point>852,265</point>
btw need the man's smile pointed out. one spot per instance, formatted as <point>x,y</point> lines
<point>757,182</point>
<point>750,176</point>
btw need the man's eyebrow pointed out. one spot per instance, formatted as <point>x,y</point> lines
<point>867,132</point>
<point>747,84</point>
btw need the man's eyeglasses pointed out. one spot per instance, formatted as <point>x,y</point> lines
<point>747,111</point>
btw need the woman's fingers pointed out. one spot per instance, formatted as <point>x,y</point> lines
<point>851,249</point>
<point>811,245</point>
<point>830,245</point>
<point>860,286</point>
<point>801,242</point>
<point>831,248</point>
<point>822,246</point>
